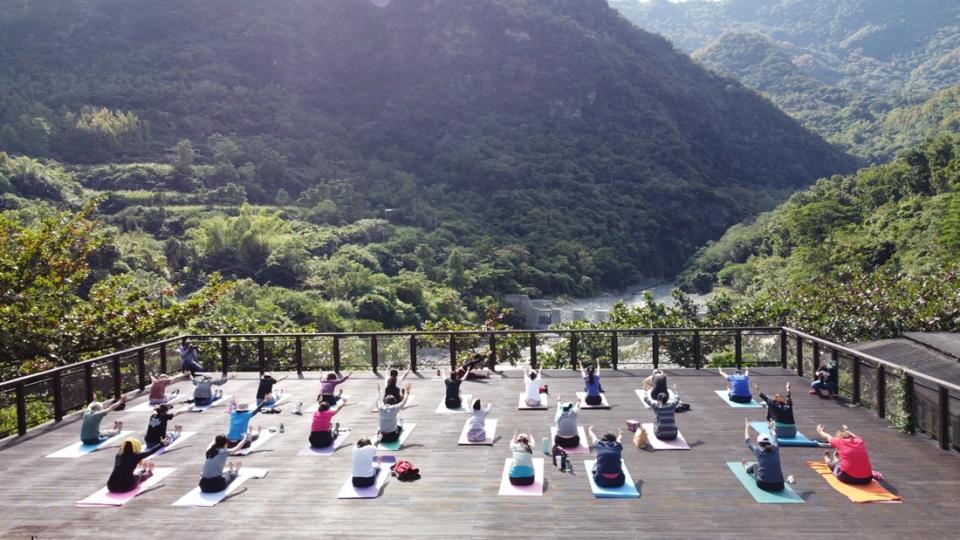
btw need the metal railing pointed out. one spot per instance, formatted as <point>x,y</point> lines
<point>32,400</point>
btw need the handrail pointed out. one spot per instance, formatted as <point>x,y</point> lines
<point>853,352</point>
<point>488,332</point>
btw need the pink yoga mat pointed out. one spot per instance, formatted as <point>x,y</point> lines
<point>105,498</point>
<point>533,490</point>
<point>677,444</point>
<point>584,447</point>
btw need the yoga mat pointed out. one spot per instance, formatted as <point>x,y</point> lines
<point>872,492</point>
<point>79,449</point>
<point>105,498</point>
<point>283,399</point>
<point>464,403</point>
<point>198,498</point>
<point>490,426</point>
<point>147,407</point>
<point>671,395</point>
<point>799,440</point>
<point>184,435</point>
<point>723,395</point>
<point>533,490</point>
<point>396,445</point>
<point>582,396</point>
<point>316,406</point>
<point>626,491</point>
<point>265,436</point>
<point>348,491</point>
<point>544,403</point>
<point>201,408</point>
<point>583,448</point>
<point>677,444</point>
<point>328,451</point>
<point>786,496</point>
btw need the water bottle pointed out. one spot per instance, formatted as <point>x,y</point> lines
<point>281,427</point>
<point>546,445</point>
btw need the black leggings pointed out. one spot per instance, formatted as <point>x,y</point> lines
<point>740,399</point>
<point>766,486</point>
<point>594,400</point>
<point>364,481</point>
<point>567,442</point>
<point>391,437</point>
<point>321,439</point>
<point>217,483</point>
<point>522,480</point>
<point>453,402</point>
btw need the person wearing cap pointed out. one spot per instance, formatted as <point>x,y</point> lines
<point>766,471</point>
<point>566,422</point>
<point>739,385</point>
<point>239,426</point>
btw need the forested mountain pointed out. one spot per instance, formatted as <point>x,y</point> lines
<point>557,145</point>
<point>838,66</point>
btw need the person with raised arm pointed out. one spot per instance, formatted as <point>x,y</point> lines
<point>322,434</point>
<point>766,471</point>
<point>591,385</point>
<point>204,394</point>
<point>451,397</point>
<point>124,477</point>
<point>532,380</point>
<point>159,384</point>
<point>780,411</point>
<point>395,385</point>
<point>157,426</point>
<point>265,393</point>
<point>656,383</point>
<point>92,416</point>
<point>665,407</point>
<point>850,462</point>
<point>566,422</point>
<point>328,388</point>
<point>388,409</point>
<point>212,477</point>
<point>608,470</point>
<point>476,423</point>
<point>521,471</point>
<point>826,378</point>
<point>240,433</point>
<point>739,385</point>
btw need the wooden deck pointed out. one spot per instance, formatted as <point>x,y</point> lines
<point>683,494</point>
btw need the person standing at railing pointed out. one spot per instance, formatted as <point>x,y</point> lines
<point>739,385</point>
<point>825,379</point>
<point>328,388</point>
<point>780,412</point>
<point>188,357</point>
<point>90,426</point>
<point>159,384</point>
<point>850,462</point>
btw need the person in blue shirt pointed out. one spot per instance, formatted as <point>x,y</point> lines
<point>591,385</point>
<point>608,470</point>
<point>739,383</point>
<point>766,471</point>
<point>239,432</point>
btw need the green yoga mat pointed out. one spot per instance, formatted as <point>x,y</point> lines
<point>787,496</point>
<point>799,440</point>
<point>723,395</point>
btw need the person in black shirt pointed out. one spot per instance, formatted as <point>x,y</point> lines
<point>395,386</point>
<point>157,425</point>
<point>826,379</point>
<point>452,396</point>
<point>780,411</point>
<point>265,393</point>
<point>123,477</point>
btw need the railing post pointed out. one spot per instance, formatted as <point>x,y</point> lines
<point>799,356</point>
<point>783,348</point>
<point>88,381</point>
<point>413,353</point>
<point>141,369</point>
<point>117,381</point>
<point>374,353</point>
<point>336,354</point>
<point>21,410</point>
<point>881,391</point>
<point>163,358</point>
<point>738,349</point>
<point>835,358</point>
<point>696,349</point>
<point>656,350</point>
<point>493,347</point>
<point>944,417</point>
<point>453,352</point>
<point>261,355</point>
<point>615,350</point>
<point>57,396</point>
<point>856,380</point>
<point>574,341</point>
<point>908,403</point>
<point>533,351</point>
<point>816,356</point>
<point>224,355</point>
<point>298,355</point>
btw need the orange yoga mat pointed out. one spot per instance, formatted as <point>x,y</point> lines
<point>872,492</point>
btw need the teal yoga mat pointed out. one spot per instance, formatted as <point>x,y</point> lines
<point>397,444</point>
<point>723,395</point>
<point>799,440</point>
<point>787,496</point>
<point>626,491</point>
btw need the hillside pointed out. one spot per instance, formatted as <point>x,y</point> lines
<point>837,66</point>
<point>591,150</point>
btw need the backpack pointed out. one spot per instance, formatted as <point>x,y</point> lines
<point>405,471</point>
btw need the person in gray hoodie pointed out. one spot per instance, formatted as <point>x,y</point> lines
<point>204,394</point>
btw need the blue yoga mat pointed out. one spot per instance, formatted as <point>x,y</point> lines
<point>799,440</point>
<point>626,491</point>
<point>723,395</point>
<point>787,496</point>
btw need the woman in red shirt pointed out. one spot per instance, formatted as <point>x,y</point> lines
<point>850,462</point>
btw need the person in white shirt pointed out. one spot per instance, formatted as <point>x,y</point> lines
<point>532,379</point>
<point>364,473</point>
<point>476,424</point>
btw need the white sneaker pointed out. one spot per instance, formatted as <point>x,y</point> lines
<point>299,410</point>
